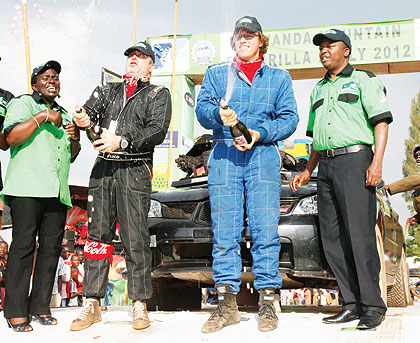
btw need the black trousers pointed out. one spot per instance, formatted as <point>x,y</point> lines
<point>347,216</point>
<point>45,217</point>
<point>120,189</point>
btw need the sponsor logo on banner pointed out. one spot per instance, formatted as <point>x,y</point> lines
<point>189,99</point>
<point>160,177</point>
<point>203,52</point>
<point>163,52</point>
<point>165,143</point>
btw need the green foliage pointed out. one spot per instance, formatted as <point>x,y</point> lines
<point>409,168</point>
<point>413,242</point>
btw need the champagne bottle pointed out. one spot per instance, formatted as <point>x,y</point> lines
<point>93,132</point>
<point>239,132</point>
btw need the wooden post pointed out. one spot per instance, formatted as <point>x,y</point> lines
<point>28,57</point>
<point>134,20</point>
<point>171,128</point>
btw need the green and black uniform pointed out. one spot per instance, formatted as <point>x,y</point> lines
<point>37,192</point>
<point>342,119</point>
<point>5,97</point>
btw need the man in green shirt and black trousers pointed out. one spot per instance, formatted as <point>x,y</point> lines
<point>349,113</point>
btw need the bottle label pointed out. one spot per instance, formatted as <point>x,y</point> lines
<point>240,140</point>
<point>112,126</point>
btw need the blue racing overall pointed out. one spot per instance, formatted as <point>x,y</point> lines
<point>250,177</point>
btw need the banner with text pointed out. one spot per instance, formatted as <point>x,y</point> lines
<point>382,42</point>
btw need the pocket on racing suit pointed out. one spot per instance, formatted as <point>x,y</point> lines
<point>97,174</point>
<point>218,164</point>
<point>269,162</point>
<point>139,176</point>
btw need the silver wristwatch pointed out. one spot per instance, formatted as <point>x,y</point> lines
<point>124,143</point>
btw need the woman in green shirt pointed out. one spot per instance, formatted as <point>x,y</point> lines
<point>37,192</point>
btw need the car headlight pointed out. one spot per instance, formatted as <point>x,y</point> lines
<point>306,206</point>
<point>155,209</point>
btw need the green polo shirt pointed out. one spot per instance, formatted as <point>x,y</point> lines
<point>40,166</point>
<point>345,111</point>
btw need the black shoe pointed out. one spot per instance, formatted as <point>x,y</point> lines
<point>21,327</point>
<point>344,316</point>
<point>370,319</point>
<point>45,320</point>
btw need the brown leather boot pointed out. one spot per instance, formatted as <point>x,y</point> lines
<point>226,312</point>
<point>267,319</point>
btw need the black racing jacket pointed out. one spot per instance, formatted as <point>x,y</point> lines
<point>143,119</point>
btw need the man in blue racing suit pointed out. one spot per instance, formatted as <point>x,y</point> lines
<point>262,98</point>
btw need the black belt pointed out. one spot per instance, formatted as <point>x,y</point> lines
<point>345,150</point>
<point>124,157</point>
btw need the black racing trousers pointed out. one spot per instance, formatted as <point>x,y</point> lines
<point>347,217</point>
<point>120,189</point>
<point>45,217</point>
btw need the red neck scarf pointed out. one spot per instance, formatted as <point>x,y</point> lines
<point>249,68</point>
<point>132,83</point>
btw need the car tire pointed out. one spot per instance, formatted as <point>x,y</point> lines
<point>172,294</point>
<point>398,293</point>
<point>382,273</point>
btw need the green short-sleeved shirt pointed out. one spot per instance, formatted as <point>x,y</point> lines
<point>345,111</point>
<point>40,166</point>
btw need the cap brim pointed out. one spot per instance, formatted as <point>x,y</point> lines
<point>128,51</point>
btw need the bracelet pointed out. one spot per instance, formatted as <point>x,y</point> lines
<point>46,118</point>
<point>36,121</point>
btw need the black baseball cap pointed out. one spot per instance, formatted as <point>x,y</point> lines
<point>334,35</point>
<point>249,23</point>
<point>43,67</point>
<point>143,47</point>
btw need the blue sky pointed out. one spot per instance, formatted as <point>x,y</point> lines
<point>87,35</point>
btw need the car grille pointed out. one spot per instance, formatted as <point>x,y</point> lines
<point>286,205</point>
<point>205,214</point>
<point>185,210</point>
<point>179,210</point>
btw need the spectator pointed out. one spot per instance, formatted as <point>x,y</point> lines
<point>3,262</point>
<point>308,297</point>
<point>4,248</point>
<point>58,281</point>
<point>63,282</point>
<point>81,254</point>
<point>76,283</point>
<point>409,183</point>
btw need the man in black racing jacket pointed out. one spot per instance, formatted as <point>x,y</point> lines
<point>135,116</point>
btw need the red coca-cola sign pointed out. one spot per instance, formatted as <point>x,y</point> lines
<point>97,250</point>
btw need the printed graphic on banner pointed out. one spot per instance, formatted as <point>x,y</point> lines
<point>189,99</point>
<point>203,52</point>
<point>163,49</point>
<point>165,143</point>
<point>160,177</point>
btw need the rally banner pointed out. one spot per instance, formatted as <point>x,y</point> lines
<point>382,42</point>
